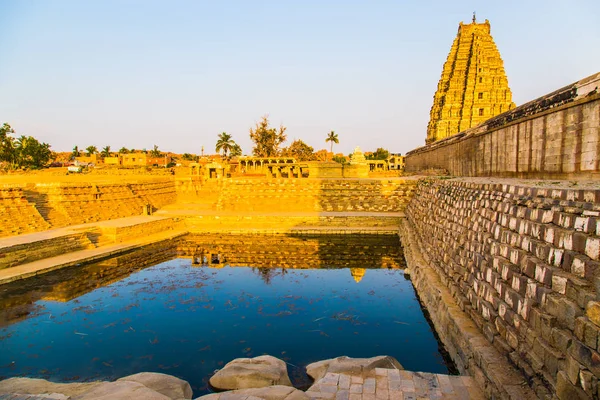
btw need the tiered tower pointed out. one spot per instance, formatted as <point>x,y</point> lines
<point>473,86</point>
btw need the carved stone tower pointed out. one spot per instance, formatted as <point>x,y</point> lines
<point>473,86</point>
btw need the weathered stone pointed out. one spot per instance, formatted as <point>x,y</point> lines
<point>257,372</point>
<point>168,385</point>
<point>566,391</point>
<point>42,386</point>
<point>593,312</point>
<point>351,366</point>
<point>121,390</point>
<point>277,392</point>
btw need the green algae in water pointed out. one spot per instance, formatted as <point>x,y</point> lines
<point>189,321</point>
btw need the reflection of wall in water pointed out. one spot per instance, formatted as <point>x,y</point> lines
<point>18,298</point>
<point>294,251</point>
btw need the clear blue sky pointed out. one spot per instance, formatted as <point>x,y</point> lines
<point>177,73</point>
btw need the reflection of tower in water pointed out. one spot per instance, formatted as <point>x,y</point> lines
<point>357,273</point>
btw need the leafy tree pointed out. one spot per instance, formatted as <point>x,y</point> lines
<point>154,152</point>
<point>106,151</point>
<point>123,150</point>
<point>299,150</point>
<point>91,150</point>
<point>322,155</point>
<point>332,137</point>
<point>340,159</point>
<point>225,144</point>
<point>75,153</point>
<point>31,153</point>
<point>266,139</point>
<point>188,157</point>
<point>236,151</point>
<point>26,151</point>
<point>7,145</point>
<point>379,154</point>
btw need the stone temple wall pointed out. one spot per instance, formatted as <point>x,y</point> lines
<point>517,270</point>
<point>555,136</point>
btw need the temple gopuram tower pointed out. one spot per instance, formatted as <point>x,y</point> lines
<point>473,86</point>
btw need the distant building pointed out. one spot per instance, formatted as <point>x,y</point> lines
<point>144,160</point>
<point>396,161</point>
<point>94,159</point>
<point>112,160</point>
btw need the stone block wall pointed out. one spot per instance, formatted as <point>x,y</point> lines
<point>555,136</point>
<point>249,223</point>
<point>523,264</point>
<point>313,195</point>
<point>37,207</point>
<point>28,251</point>
<point>127,231</point>
<point>17,215</point>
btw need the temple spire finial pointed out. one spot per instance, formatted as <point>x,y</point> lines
<point>474,19</point>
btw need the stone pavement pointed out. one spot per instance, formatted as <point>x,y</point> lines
<point>393,384</point>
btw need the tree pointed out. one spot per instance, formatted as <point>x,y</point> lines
<point>31,153</point>
<point>332,137</point>
<point>26,151</point>
<point>300,151</point>
<point>7,145</point>
<point>155,152</point>
<point>123,150</point>
<point>379,154</point>
<point>322,155</point>
<point>340,159</point>
<point>188,157</point>
<point>236,151</point>
<point>225,143</point>
<point>75,152</point>
<point>106,151</point>
<point>91,150</point>
<point>266,139</point>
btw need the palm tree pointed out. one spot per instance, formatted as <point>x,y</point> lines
<point>91,150</point>
<point>76,152</point>
<point>225,143</point>
<point>333,138</point>
<point>106,151</point>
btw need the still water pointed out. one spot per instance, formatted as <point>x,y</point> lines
<point>188,321</point>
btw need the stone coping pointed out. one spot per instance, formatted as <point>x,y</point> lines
<point>194,209</point>
<point>300,231</point>
<point>10,241</point>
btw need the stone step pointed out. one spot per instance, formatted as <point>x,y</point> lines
<point>392,384</point>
